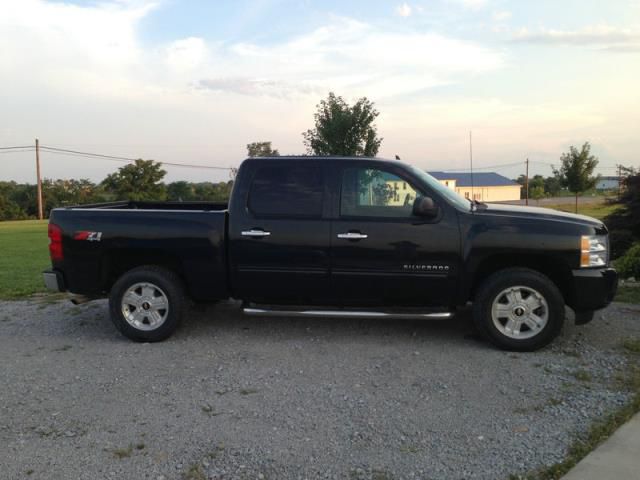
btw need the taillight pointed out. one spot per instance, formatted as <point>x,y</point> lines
<point>55,243</point>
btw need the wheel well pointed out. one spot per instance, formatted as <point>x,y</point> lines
<point>117,262</point>
<point>557,271</point>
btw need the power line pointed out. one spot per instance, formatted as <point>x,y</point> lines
<point>504,165</point>
<point>15,148</point>
<point>87,154</point>
<point>4,152</point>
<point>65,151</point>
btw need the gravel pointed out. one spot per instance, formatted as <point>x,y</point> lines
<point>244,397</point>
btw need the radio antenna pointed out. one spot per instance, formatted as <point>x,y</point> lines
<point>471,163</point>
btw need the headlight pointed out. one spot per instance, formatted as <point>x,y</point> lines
<point>594,251</point>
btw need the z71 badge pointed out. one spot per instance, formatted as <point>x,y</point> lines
<point>88,236</point>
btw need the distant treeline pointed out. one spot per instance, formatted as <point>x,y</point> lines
<point>18,201</point>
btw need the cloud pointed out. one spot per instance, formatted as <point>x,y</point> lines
<point>404,10</point>
<point>104,33</point>
<point>501,16</point>
<point>474,4</point>
<point>622,48</point>
<point>186,54</point>
<point>94,50</point>
<point>604,36</point>
<point>253,87</point>
<point>351,57</point>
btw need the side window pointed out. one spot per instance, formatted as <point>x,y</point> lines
<point>287,191</point>
<point>369,192</point>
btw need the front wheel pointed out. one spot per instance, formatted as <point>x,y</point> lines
<point>519,309</point>
<point>146,303</point>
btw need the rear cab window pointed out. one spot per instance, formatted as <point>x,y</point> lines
<point>287,190</point>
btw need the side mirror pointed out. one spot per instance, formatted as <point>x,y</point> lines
<point>425,207</point>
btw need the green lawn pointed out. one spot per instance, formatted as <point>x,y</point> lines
<point>24,254</point>
<point>596,210</point>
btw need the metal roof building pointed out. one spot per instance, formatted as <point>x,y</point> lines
<point>487,186</point>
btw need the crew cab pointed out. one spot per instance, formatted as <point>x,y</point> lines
<point>336,236</point>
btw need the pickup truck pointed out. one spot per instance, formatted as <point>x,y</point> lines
<point>336,236</point>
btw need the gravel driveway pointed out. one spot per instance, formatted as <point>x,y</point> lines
<point>243,397</point>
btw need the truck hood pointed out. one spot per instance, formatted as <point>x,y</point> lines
<point>522,211</point>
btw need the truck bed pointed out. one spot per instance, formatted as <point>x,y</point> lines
<point>104,240</point>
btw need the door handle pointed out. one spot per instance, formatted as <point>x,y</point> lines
<point>255,233</point>
<point>352,236</point>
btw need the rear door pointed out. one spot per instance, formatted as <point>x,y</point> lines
<point>279,236</point>
<point>381,253</point>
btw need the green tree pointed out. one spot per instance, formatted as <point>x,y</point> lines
<point>212,192</point>
<point>552,185</point>
<point>137,181</point>
<point>576,170</point>
<point>10,210</point>
<point>536,193</point>
<point>180,191</point>
<point>261,149</point>
<point>341,129</point>
<point>535,182</point>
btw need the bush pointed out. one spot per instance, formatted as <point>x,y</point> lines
<point>629,264</point>
<point>620,241</point>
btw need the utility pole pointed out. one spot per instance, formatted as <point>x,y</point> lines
<point>473,197</point>
<point>40,212</point>
<point>619,182</point>
<point>526,184</point>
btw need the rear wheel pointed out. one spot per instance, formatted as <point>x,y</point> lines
<point>519,309</point>
<point>146,303</point>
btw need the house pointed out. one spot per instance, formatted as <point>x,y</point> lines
<point>487,186</point>
<point>608,183</point>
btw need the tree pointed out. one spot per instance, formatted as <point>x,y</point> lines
<point>536,193</point>
<point>535,183</point>
<point>212,192</point>
<point>624,222</point>
<point>180,191</point>
<point>552,185</point>
<point>137,181</point>
<point>341,129</point>
<point>576,170</point>
<point>261,149</point>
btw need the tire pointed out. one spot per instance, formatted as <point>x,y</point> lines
<point>146,303</point>
<point>519,309</point>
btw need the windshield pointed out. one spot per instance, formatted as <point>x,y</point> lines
<point>446,192</point>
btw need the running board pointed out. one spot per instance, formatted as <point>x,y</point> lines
<point>267,312</point>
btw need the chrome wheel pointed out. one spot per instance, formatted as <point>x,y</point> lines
<point>519,312</point>
<point>145,306</point>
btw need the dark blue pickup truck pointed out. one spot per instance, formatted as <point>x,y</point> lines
<point>336,236</point>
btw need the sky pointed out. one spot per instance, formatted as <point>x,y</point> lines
<point>194,81</point>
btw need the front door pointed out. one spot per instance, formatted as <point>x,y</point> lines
<point>279,238</point>
<point>381,253</point>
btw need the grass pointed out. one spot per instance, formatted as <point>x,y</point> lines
<point>248,391</point>
<point>123,452</point>
<point>597,210</point>
<point>582,376</point>
<point>24,254</point>
<point>628,294</point>
<point>632,345</point>
<point>194,473</point>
